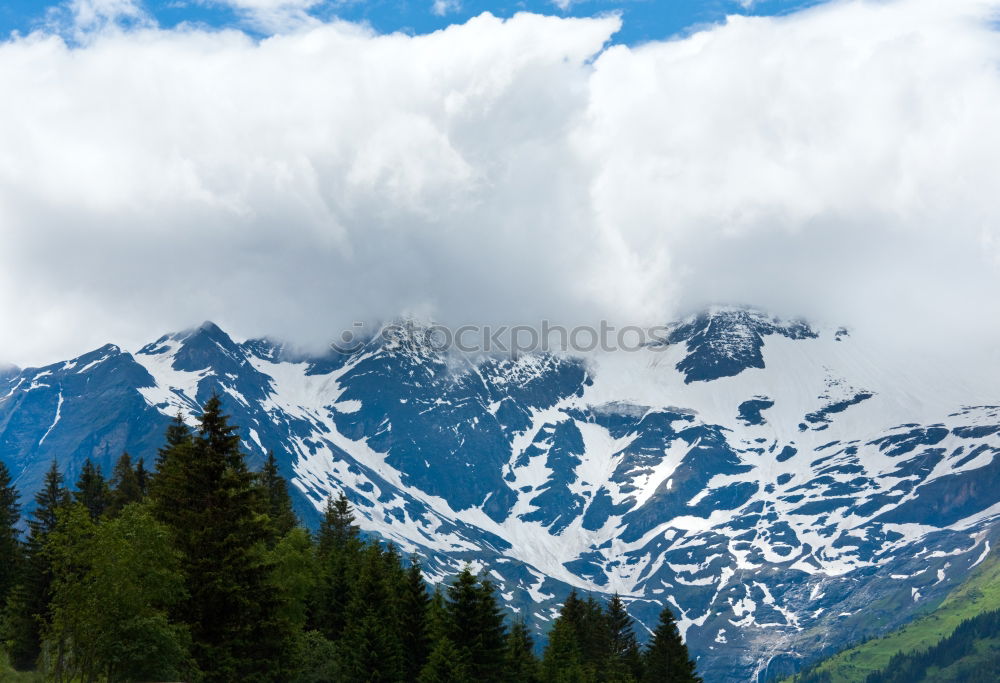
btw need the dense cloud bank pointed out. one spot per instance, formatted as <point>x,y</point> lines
<point>840,162</point>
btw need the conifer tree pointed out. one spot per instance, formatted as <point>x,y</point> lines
<point>170,490</point>
<point>624,660</point>
<point>295,576</point>
<point>204,492</point>
<point>437,617</point>
<point>278,503</point>
<point>595,638</point>
<point>488,661</point>
<point>563,661</point>
<point>520,663</point>
<point>666,659</point>
<point>395,574</point>
<point>578,642</point>
<point>445,665</point>
<point>476,625</point>
<point>48,501</point>
<point>125,485</point>
<point>462,608</point>
<point>92,490</point>
<point>371,643</point>
<point>339,552</point>
<point>369,652</point>
<point>337,531</point>
<point>10,541</point>
<point>28,605</point>
<point>142,478</point>
<point>414,604</point>
<point>177,433</point>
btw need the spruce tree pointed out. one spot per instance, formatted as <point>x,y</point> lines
<point>28,605</point>
<point>476,625</point>
<point>177,433</point>
<point>10,541</point>
<point>295,576</point>
<point>445,665</point>
<point>369,653</point>
<point>666,659</point>
<point>142,478</point>
<point>414,603</point>
<point>578,642</point>
<point>125,485</point>
<point>520,663</point>
<point>371,646</point>
<point>563,661</point>
<point>437,617</point>
<point>595,638</point>
<point>337,530</point>
<point>624,660</point>
<point>489,660</point>
<point>48,501</point>
<point>92,490</point>
<point>278,503</point>
<point>204,492</point>
<point>339,553</point>
<point>171,489</point>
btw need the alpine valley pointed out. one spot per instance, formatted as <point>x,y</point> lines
<point>787,489</point>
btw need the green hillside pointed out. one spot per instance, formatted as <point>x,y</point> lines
<point>979,593</point>
<point>969,655</point>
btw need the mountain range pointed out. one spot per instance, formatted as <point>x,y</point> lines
<point>786,488</point>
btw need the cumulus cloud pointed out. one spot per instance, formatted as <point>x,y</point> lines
<point>838,162</point>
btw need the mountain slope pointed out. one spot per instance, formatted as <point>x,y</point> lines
<point>979,594</point>
<point>971,654</point>
<point>784,488</point>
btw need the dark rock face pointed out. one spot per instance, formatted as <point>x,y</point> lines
<point>727,342</point>
<point>745,474</point>
<point>88,407</point>
<point>750,411</point>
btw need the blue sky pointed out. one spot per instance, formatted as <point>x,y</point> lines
<point>642,19</point>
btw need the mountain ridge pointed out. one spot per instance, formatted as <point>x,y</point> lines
<point>766,479</point>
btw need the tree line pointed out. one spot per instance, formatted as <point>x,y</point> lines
<point>198,570</point>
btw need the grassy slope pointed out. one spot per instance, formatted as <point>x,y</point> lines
<point>979,593</point>
<point>984,658</point>
<point>7,674</point>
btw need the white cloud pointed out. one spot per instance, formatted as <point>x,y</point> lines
<point>91,14</point>
<point>79,20</point>
<point>275,16</point>
<point>443,7</point>
<point>839,162</point>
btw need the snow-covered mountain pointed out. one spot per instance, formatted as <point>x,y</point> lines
<point>786,489</point>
